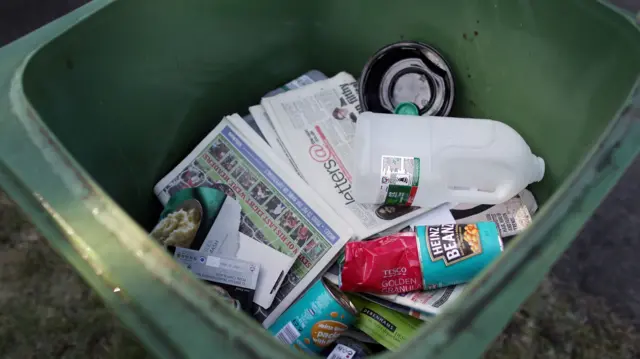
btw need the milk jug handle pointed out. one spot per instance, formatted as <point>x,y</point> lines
<point>468,195</point>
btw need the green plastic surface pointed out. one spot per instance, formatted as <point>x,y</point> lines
<point>122,90</point>
<point>407,108</point>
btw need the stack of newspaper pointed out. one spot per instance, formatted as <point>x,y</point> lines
<point>289,165</point>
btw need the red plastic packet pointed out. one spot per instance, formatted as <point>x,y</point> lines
<point>388,265</point>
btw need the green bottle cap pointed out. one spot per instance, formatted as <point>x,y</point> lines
<point>407,108</point>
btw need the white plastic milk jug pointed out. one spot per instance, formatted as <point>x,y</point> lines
<point>426,161</point>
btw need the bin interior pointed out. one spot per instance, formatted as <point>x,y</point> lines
<point>132,89</point>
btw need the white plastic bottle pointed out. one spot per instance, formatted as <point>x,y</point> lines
<point>426,161</point>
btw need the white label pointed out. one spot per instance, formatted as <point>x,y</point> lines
<point>213,261</point>
<point>341,352</point>
<point>396,173</point>
<point>288,334</point>
<point>397,170</point>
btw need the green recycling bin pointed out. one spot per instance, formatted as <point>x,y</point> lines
<point>100,104</point>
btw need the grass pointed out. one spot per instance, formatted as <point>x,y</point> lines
<point>47,311</point>
<point>561,322</point>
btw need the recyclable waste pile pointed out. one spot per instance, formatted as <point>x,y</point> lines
<point>343,214</point>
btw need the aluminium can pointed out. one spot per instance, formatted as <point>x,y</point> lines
<point>316,319</point>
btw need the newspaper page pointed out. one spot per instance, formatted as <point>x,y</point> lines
<point>305,79</point>
<point>316,124</point>
<point>278,208</point>
<point>269,133</point>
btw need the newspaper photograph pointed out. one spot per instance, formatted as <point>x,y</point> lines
<point>278,208</point>
<point>316,124</point>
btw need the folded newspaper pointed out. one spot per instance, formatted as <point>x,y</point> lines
<point>260,124</point>
<point>313,127</point>
<point>278,207</point>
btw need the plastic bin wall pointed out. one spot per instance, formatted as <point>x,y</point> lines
<point>97,106</point>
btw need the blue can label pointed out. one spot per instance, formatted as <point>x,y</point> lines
<point>452,243</point>
<point>315,320</point>
<point>455,253</point>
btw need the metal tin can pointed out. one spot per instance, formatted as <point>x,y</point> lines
<point>316,319</point>
<point>407,72</point>
<point>455,253</point>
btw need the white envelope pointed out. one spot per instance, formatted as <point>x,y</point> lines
<point>274,267</point>
<point>224,240</point>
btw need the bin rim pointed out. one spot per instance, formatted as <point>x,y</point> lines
<point>71,209</point>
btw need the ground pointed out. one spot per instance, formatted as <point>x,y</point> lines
<point>46,310</point>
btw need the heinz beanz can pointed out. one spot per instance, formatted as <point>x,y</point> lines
<point>316,319</point>
<point>455,253</point>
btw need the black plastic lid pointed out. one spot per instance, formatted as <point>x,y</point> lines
<point>407,72</point>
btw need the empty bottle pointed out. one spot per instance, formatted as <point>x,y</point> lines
<point>426,161</point>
